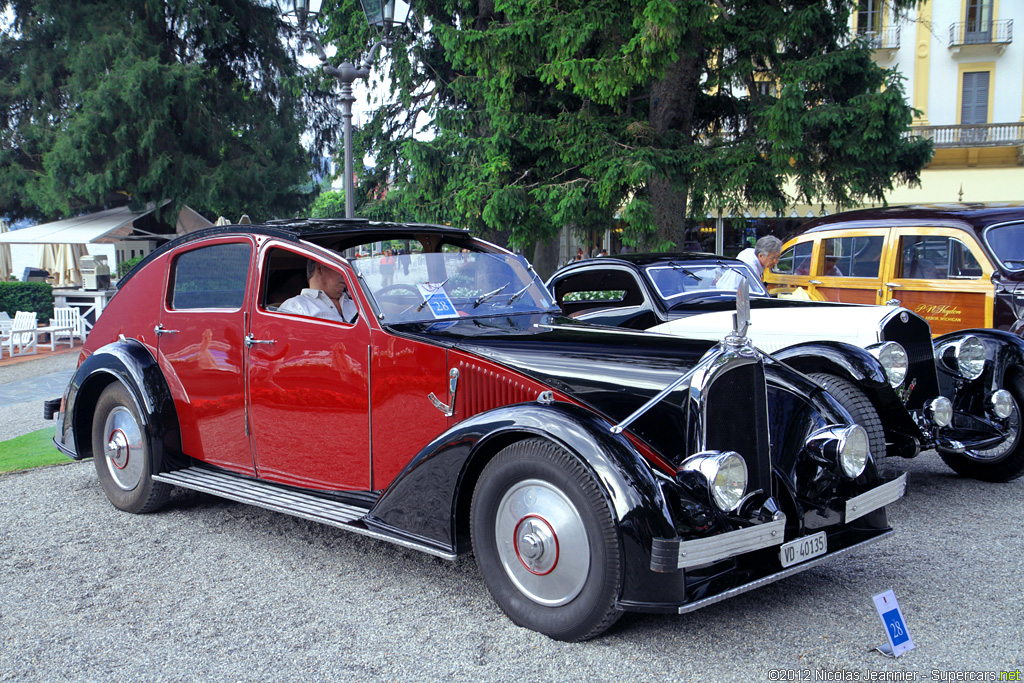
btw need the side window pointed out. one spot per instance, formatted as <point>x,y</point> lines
<point>937,258</point>
<point>796,260</point>
<point>284,276</point>
<point>598,289</point>
<point>211,277</point>
<point>853,256</point>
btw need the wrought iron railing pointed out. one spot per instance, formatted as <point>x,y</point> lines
<point>886,39</point>
<point>981,33</point>
<point>974,135</point>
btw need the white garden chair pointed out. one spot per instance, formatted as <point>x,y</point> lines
<point>69,316</point>
<point>23,334</point>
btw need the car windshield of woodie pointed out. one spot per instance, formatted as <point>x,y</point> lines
<point>1007,243</point>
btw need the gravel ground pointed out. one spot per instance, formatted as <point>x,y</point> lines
<point>23,388</point>
<point>209,590</point>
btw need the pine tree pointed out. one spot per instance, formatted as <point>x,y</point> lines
<point>587,112</point>
<point>196,101</point>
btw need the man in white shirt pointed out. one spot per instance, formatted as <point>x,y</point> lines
<point>763,255</point>
<point>326,297</point>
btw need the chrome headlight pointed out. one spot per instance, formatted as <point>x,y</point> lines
<point>966,356</point>
<point>725,473</point>
<point>848,446</point>
<point>1001,403</point>
<point>940,410</point>
<point>893,358</point>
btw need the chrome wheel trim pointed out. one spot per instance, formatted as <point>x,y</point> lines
<point>542,542</point>
<point>1008,444</point>
<point>123,449</point>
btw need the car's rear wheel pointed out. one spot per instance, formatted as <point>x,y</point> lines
<point>122,453</point>
<point>860,408</point>
<point>546,542</point>
<point>1003,462</point>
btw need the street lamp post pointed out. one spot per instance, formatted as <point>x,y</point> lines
<point>385,16</point>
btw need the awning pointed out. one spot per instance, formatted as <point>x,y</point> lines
<point>103,227</point>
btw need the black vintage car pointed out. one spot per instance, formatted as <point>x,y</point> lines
<point>446,405</point>
<point>961,394</point>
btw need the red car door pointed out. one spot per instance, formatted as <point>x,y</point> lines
<point>201,350</point>
<point>308,384</point>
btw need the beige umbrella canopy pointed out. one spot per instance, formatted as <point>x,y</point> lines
<point>68,271</point>
<point>5,254</point>
<point>46,257</point>
<point>222,221</point>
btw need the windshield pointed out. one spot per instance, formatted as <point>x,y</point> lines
<point>678,281</point>
<point>1007,242</point>
<point>455,283</point>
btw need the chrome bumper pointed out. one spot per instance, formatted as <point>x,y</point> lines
<point>880,496</point>
<point>732,543</point>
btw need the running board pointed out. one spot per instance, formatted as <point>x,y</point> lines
<point>289,501</point>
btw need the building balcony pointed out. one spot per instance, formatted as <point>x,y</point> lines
<point>966,34</point>
<point>975,135</point>
<point>887,39</point>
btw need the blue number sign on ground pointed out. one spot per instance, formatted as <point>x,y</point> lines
<point>895,626</point>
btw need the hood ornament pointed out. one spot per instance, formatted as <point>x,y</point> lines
<point>741,318</point>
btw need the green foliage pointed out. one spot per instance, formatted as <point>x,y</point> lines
<point>329,205</point>
<point>197,101</point>
<point>124,266</point>
<point>30,450</point>
<point>594,113</point>
<point>27,296</point>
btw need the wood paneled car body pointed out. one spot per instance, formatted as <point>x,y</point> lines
<point>591,471</point>
<point>962,393</point>
<point>958,266</point>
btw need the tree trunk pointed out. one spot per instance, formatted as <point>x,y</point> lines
<point>545,257</point>
<point>673,99</point>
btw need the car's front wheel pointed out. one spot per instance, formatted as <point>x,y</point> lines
<point>122,453</point>
<point>546,542</point>
<point>860,407</point>
<point>1003,462</point>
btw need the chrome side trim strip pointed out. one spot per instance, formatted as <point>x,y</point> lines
<point>713,548</point>
<point>785,573</point>
<point>295,503</point>
<point>877,497</point>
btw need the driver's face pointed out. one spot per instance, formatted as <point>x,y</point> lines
<point>769,260</point>
<point>331,282</point>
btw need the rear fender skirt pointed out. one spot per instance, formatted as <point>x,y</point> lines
<point>131,364</point>
<point>863,369</point>
<point>1003,351</point>
<point>431,497</point>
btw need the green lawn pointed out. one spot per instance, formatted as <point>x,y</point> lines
<point>30,450</point>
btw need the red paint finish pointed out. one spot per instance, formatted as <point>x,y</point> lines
<point>404,373</point>
<point>204,362</point>
<point>309,401</point>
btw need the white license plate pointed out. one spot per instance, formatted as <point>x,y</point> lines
<point>803,548</point>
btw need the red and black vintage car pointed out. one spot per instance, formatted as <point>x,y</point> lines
<point>447,406</point>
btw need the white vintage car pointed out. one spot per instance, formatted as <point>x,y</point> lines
<point>960,393</point>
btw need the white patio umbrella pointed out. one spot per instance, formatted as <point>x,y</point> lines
<point>5,254</point>
<point>222,221</point>
<point>46,257</point>
<point>68,272</point>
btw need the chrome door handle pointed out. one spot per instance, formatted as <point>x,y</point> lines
<point>250,341</point>
<point>160,329</point>
<point>894,285</point>
<point>814,282</point>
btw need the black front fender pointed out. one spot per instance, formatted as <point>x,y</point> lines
<point>860,367</point>
<point>430,499</point>
<point>131,364</point>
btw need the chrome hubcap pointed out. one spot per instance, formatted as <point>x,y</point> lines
<point>1012,434</point>
<point>542,542</point>
<point>123,451</point>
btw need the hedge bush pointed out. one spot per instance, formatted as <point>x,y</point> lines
<point>27,296</point>
<point>124,266</point>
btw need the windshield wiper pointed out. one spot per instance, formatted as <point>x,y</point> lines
<point>1013,260</point>
<point>488,295</point>
<point>684,271</point>
<point>427,298</point>
<point>519,293</point>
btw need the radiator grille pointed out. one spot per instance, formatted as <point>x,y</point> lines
<point>736,419</point>
<point>482,389</point>
<point>915,336</point>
